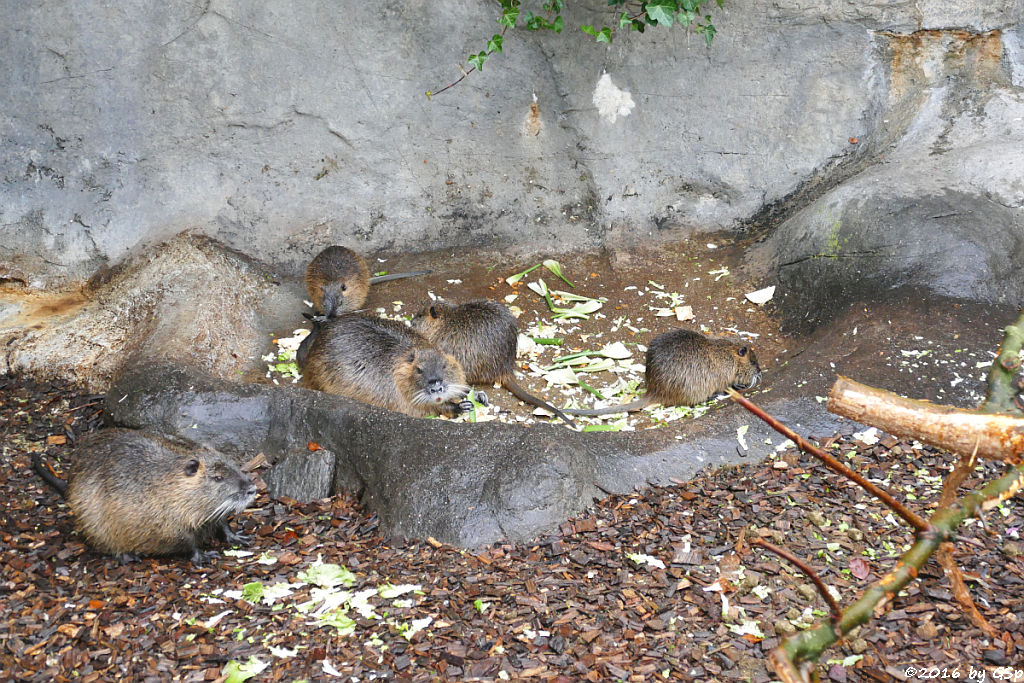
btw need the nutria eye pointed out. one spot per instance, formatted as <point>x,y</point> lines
<point>743,351</point>
<point>191,467</point>
<point>344,287</point>
<point>218,477</point>
<point>419,371</point>
<point>433,312</point>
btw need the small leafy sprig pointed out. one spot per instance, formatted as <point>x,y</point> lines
<point>635,15</point>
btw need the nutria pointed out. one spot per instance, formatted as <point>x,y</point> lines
<point>685,368</point>
<point>384,363</point>
<point>135,494</point>
<point>482,335</point>
<point>338,280</point>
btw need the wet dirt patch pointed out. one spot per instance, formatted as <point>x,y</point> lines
<point>909,341</point>
<point>645,292</point>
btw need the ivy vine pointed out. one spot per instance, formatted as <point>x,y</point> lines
<point>633,15</point>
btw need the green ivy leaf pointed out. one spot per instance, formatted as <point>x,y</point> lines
<point>494,44</point>
<point>661,11</point>
<point>709,32</point>
<point>559,24</point>
<point>625,21</point>
<point>509,16</point>
<point>478,60</point>
<point>602,36</point>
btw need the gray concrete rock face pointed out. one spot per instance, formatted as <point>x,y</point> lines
<point>279,131</point>
<point>939,204</point>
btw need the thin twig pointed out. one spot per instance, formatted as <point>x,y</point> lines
<point>806,569</point>
<point>908,515</point>
<point>464,72</point>
<point>960,590</point>
<point>84,405</point>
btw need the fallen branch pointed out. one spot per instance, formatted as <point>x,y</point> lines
<point>912,518</point>
<point>1002,390</point>
<point>808,645</point>
<point>833,606</point>
<point>984,433</point>
<point>996,436</point>
<point>961,592</point>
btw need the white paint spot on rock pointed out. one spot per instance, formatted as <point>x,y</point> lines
<point>611,101</point>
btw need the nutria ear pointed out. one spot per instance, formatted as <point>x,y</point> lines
<point>742,351</point>
<point>433,312</point>
<point>411,358</point>
<point>191,467</point>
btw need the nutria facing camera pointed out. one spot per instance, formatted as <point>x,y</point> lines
<point>482,335</point>
<point>384,363</point>
<point>133,494</point>
<point>686,368</point>
<point>338,281</point>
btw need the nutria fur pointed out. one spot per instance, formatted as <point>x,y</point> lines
<point>685,368</point>
<point>338,281</point>
<point>384,363</point>
<point>134,494</point>
<point>482,335</point>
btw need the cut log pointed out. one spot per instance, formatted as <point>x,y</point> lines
<point>991,436</point>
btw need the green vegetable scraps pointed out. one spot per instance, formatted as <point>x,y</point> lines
<point>551,264</point>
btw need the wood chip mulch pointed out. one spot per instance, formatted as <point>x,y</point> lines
<point>642,588</point>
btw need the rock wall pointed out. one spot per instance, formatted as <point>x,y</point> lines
<point>278,129</point>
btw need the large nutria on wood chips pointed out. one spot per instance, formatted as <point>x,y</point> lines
<point>132,493</point>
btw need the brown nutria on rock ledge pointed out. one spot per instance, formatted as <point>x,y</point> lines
<point>338,281</point>
<point>384,363</point>
<point>482,335</point>
<point>685,368</point>
<point>134,494</point>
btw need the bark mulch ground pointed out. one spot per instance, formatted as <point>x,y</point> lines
<point>642,588</point>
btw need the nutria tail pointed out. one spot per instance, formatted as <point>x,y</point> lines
<point>527,397</point>
<point>44,471</point>
<point>377,279</point>
<point>638,404</point>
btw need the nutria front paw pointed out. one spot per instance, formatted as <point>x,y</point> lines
<point>465,406</point>
<point>482,399</point>
<point>232,538</point>
<point>199,557</point>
